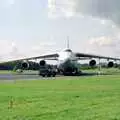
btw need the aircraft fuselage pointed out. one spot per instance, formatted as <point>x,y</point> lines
<point>67,63</point>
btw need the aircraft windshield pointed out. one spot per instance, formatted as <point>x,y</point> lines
<point>68,50</point>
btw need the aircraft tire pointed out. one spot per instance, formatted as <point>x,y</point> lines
<point>43,75</point>
<point>54,75</point>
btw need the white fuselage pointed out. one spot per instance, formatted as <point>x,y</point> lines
<point>67,62</point>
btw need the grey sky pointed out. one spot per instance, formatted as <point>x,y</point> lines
<point>34,27</point>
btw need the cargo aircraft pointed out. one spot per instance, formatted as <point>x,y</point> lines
<point>67,61</point>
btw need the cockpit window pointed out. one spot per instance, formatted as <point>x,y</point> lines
<point>68,50</point>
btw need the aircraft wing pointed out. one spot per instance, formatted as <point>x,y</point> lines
<point>46,57</point>
<point>84,55</point>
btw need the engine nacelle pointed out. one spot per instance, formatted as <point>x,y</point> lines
<point>110,64</point>
<point>29,65</point>
<point>92,63</point>
<point>25,65</point>
<point>42,63</point>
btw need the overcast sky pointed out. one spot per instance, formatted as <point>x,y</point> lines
<point>35,27</point>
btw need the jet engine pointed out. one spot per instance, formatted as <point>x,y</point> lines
<point>92,63</point>
<point>29,65</point>
<point>25,65</point>
<point>110,64</point>
<point>42,63</point>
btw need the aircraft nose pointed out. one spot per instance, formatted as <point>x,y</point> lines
<point>67,62</point>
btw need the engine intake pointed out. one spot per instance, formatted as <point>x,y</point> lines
<point>29,65</point>
<point>25,65</point>
<point>92,63</point>
<point>42,63</point>
<point>110,64</point>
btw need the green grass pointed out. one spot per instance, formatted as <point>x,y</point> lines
<point>6,72</point>
<point>63,98</point>
<point>108,71</point>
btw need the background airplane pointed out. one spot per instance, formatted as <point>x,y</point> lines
<point>67,61</point>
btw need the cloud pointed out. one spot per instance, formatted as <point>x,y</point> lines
<point>58,8</point>
<point>104,45</point>
<point>103,9</point>
<point>42,48</point>
<point>103,22</point>
<point>5,46</point>
<point>9,50</point>
<point>101,41</point>
<point>7,3</point>
<point>11,2</point>
<point>14,49</point>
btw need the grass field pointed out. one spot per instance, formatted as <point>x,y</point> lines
<point>63,98</point>
<point>108,71</point>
